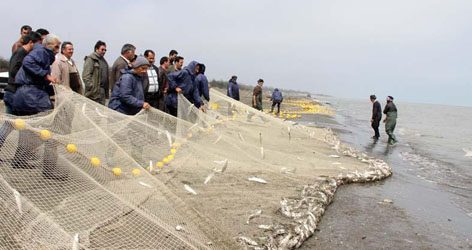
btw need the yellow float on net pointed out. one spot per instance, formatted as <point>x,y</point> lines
<point>214,106</point>
<point>19,124</point>
<point>209,129</point>
<point>173,151</point>
<point>117,171</point>
<point>159,164</point>
<point>136,172</point>
<point>170,157</point>
<point>95,161</point>
<point>71,148</point>
<point>176,144</point>
<point>45,135</point>
<point>165,160</point>
<point>189,135</point>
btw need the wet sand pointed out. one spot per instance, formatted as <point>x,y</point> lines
<point>420,216</point>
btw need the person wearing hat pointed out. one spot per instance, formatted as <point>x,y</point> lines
<point>128,94</point>
<point>376,116</point>
<point>390,121</point>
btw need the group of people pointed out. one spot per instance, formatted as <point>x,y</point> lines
<point>390,120</point>
<point>133,83</point>
<point>276,98</point>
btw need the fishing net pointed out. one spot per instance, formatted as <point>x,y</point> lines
<point>83,176</point>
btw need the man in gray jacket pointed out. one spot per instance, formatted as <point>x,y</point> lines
<point>95,74</point>
<point>123,61</point>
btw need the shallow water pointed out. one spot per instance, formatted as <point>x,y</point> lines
<point>432,178</point>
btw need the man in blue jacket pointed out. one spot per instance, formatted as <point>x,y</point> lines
<point>32,97</point>
<point>34,78</point>
<point>233,88</point>
<point>182,82</point>
<point>128,94</point>
<point>201,82</point>
<point>276,100</point>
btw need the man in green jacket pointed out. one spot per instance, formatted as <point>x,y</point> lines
<point>257,95</point>
<point>390,121</point>
<point>95,74</point>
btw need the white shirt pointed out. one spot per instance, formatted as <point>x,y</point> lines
<point>153,83</point>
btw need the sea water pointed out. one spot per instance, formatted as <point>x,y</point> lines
<point>432,177</point>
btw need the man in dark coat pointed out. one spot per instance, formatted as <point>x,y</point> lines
<point>95,74</point>
<point>391,120</point>
<point>153,88</point>
<point>128,95</point>
<point>163,79</point>
<point>182,82</point>
<point>31,97</point>
<point>376,116</point>
<point>201,81</point>
<point>233,88</point>
<point>122,62</point>
<point>34,77</point>
<point>257,95</point>
<point>15,64</point>
<point>276,99</point>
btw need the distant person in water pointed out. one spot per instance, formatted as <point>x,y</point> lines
<point>376,116</point>
<point>257,95</point>
<point>391,120</point>
<point>276,99</point>
<point>233,88</point>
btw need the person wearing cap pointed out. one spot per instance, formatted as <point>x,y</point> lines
<point>233,88</point>
<point>390,121</point>
<point>376,116</point>
<point>128,94</point>
<point>257,95</point>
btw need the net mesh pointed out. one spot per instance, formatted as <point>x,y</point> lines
<point>83,176</point>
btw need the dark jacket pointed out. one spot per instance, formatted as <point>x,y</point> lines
<point>183,79</point>
<point>390,107</point>
<point>15,65</point>
<point>92,76</point>
<point>201,82</point>
<point>116,68</point>
<point>233,90</point>
<point>32,96</point>
<point>163,80</point>
<point>277,96</point>
<point>127,96</point>
<point>376,111</point>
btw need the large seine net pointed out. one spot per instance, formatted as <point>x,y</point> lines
<point>83,176</point>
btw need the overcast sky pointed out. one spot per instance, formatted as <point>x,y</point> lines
<point>416,51</point>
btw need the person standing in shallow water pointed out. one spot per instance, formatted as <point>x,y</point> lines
<point>376,116</point>
<point>390,121</point>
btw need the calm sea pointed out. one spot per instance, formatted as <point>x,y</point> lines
<point>432,177</point>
